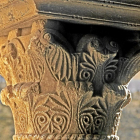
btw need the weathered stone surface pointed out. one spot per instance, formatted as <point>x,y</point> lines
<point>64,82</point>
<point>21,13</point>
<point>125,132</point>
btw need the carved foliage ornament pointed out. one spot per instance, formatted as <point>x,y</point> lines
<point>56,92</point>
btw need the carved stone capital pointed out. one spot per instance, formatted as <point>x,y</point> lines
<point>67,81</point>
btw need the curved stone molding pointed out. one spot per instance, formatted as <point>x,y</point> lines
<point>58,90</point>
<point>66,137</point>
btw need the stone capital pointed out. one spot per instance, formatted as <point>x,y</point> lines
<point>67,74</point>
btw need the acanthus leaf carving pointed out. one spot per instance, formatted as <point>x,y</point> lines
<point>101,115</point>
<point>110,69</point>
<point>128,67</point>
<point>59,86</point>
<point>50,112</point>
<point>88,68</point>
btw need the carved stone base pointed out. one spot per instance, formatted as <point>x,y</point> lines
<point>65,137</point>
